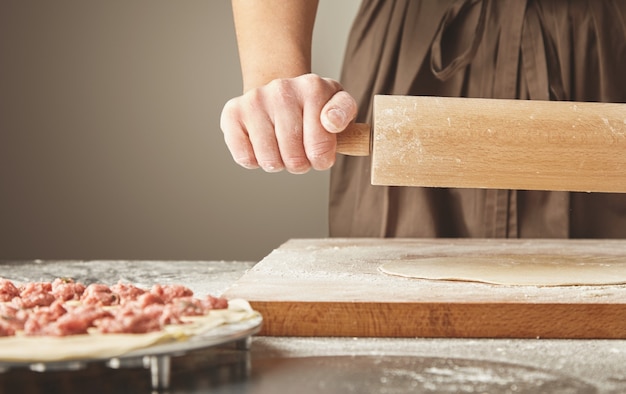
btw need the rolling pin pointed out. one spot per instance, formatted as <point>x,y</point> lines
<point>492,143</point>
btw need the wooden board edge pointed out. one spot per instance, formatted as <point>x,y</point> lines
<point>443,320</point>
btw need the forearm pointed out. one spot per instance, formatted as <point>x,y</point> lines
<point>274,38</point>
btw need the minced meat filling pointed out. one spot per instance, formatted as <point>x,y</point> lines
<point>65,307</point>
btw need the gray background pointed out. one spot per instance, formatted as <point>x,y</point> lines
<point>110,144</point>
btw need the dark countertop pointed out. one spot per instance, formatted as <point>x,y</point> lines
<point>333,365</point>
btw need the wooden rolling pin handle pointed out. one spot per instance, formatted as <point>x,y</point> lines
<point>355,140</point>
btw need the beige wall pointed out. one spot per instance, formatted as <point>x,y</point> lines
<point>110,144</point>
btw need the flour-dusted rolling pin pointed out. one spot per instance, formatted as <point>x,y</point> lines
<point>492,143</point>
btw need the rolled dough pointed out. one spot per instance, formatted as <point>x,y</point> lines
<point>514,270</point>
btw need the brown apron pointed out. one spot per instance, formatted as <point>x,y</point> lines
<point>524,49</point>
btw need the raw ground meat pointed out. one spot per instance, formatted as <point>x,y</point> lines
<point>8,290</point>
<point>99,294</point>
<point>211,302</point>
<point>169,292</point>
<point>147,299</point>
<point>12,316</point>
<point>188,306</point>
<point>127,292</point>
<point>41,318</point>
<point>64,307</point>
<point>130,320</point>
<point>66,289</point>
<point>35,294</point>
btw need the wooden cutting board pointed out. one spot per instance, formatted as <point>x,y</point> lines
<point>332,287</point>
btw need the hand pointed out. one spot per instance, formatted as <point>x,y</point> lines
<point>288,124</point>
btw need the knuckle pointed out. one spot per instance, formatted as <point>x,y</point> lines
<point>311,78</point>
<point>283,92</point>
<point>280,85</point>
<point>295,133</point>
<point>319,149</point>
<point>229,107</point>
<point>314,83</point>
<point>318,91</point>
<point>321,154</point>
<point>254,98</point>
<point>297,164</point>
<point>229,114</point>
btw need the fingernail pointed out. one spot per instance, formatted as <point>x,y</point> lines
<point>335,120</point>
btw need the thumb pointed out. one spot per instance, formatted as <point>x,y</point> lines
<point>338,112</point>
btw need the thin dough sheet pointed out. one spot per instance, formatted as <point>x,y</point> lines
<point>22,348</point>
<point>514,270</point>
